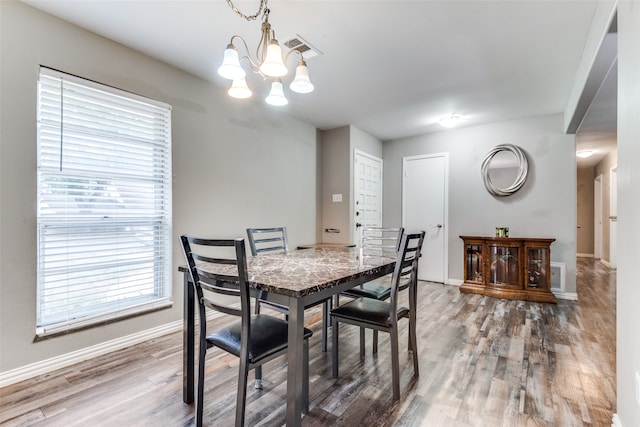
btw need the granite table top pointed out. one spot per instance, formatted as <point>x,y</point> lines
<point>303,272</point>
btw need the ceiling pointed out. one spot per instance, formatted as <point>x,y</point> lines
<point>391,68</point>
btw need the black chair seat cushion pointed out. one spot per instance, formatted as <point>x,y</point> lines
<point>368,310</point>
<point>268,336</point>
<point>376,289</point>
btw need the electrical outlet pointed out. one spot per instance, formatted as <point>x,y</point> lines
<point>638,387</point>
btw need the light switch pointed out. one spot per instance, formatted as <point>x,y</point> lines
<point>336,197</point>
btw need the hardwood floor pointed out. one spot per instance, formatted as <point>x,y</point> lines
<point>483,362</point>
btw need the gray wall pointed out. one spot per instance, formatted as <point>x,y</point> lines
<point>628,290</point>
<point>336,170</point>
<point>585,206</point>
<point>362,141</point>
<point>235,164</point>
<point>544,207</point>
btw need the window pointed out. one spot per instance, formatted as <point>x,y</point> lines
<point>104,203</point>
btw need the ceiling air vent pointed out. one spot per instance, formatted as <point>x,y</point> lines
<point>302,46</point>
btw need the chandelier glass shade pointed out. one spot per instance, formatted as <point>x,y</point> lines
<point>268,63</point>
<point>276,96</point>
<point>239,89</point>
<point>273,65</point>
<point>301,83</point>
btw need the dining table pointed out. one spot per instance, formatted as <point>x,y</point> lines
<point>297,279</point>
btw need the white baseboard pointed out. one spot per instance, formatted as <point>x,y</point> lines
<point>585,255</point>
<point>606,263</point>
<point>455,282</point>
<point>571,296</point>
<point>45,366</point>
<point>616,421</point>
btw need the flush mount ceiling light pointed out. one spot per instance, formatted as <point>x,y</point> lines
<point>584,154</point>
<point>268,62</point>
<point>450,121</point>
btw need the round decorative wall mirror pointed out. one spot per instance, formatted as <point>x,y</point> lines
<point>504,170</point>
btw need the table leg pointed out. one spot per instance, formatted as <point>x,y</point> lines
<point>295,358</point>
<point>188,341</point>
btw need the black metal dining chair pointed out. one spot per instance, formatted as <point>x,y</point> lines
<point>383,316</point>
<point>376,242</point>
<point>263,241</point>
<point>254,338</point>
<point>273,240</point>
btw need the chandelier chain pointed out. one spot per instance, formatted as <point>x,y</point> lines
<point>263,7</point>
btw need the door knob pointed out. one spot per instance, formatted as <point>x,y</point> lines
<point>358,225</point>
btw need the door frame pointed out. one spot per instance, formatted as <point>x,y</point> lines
<point>445,227</point>
<point>597,217</point>
<point>613,216</point>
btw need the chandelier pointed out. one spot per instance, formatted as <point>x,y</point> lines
<point>268,62</point>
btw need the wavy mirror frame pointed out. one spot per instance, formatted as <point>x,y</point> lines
<point>523,169</point>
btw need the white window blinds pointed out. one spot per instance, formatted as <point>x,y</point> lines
<point>104,203</point>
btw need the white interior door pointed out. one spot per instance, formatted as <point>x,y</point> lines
<point>367,189</point>
<point>424,207</point>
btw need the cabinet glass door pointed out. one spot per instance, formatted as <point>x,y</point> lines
<point>473,263</point>
<point>538,262</point>
<point>504,269</point>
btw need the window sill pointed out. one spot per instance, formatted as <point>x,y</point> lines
<point>53,331</point>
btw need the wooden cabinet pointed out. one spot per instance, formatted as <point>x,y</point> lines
<point>506,267</point>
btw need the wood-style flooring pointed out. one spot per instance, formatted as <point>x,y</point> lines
<point>483,362</point>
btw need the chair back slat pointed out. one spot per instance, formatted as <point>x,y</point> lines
<point>213,275</point>
<point>273,239</point>
<point>221,286</point>
<point>212,242</point>
<point>221,308</point>
<point>218,279</point>
<point>214,260</point>
<point>380,241</point>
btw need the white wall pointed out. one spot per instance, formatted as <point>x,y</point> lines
<point>628,287</point>
<point>235,164</point>
<point>544,207</point>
